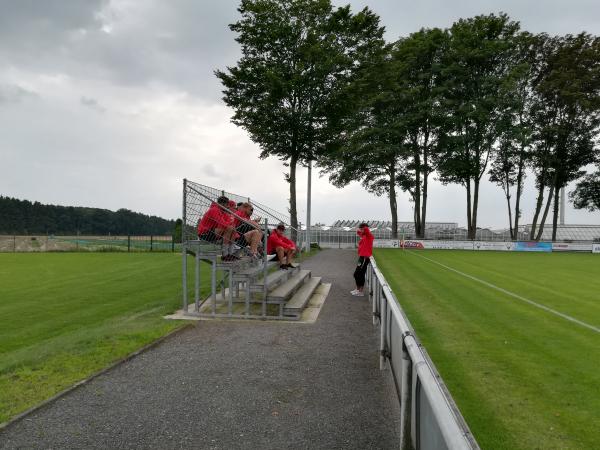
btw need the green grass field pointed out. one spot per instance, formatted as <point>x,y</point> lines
<point>523,377</point>
<point>64,316</point>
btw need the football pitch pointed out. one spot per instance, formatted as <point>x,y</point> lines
<point>515,336</point>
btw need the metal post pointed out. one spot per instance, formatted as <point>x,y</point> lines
<point>173,244</point>
<point>308,201</point>
<point>128,243</point>
<point>14,243</point>
<point>151,243</point>
<point>213,285</point>
<point>183,250</point>
<point>197,282</point>
<point>265,269</point>
<point>405,400</point>
<point>375,295</point>
<point>383,325</point>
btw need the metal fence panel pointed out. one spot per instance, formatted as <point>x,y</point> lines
<point>429,418</point>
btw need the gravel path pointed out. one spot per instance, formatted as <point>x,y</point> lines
<point>234,385</point>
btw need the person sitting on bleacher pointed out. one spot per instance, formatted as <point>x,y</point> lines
<point>278,244</point>
<point>216,225</point>
<point>249,230</point>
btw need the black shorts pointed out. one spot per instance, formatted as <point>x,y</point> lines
<point>243,228</point>
<point>210,236</point>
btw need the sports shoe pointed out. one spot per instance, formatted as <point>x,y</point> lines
<point>283,267</point>
<point>354,291</point>
<point>358,294</point>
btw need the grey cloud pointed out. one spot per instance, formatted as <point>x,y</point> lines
<point>15,93</point>
<point>137,57</point>
<point>92,103</point>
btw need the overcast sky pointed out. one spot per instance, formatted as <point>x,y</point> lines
<point>111,103</point>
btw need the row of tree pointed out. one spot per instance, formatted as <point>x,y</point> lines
<point>482,98</point>
<point>25,217</point>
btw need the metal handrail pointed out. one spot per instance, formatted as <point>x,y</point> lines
<point>415,363</point>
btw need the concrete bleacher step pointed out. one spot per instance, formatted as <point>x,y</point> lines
<point>285,290</point>
<point>273,279</point>
<point>300,299</point>
<point>253,271</point>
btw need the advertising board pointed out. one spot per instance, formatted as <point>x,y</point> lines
<point>497,246</point>
<point>386,243</point>
<point>412,244</point>
<point>526,246</point>
<point>449,245</point>
<point>595,248</point>
<point>569,247</point>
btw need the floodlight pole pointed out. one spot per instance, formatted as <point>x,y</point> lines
<point>308,198</point>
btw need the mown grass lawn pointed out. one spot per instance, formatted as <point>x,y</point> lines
<point>522,377</point>
<point>64,316</point>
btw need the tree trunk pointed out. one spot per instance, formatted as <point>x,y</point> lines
<point>545,215</point>
<point>393,203</point>
<point>293,207</point>
<point>538,208</point>
<point>469,223</point>
<point>510,223</point>
<point>417,215</point>
<point>518,200</point>
<point>424,200</point>
<point>555,212</point>
<point>474,210</point>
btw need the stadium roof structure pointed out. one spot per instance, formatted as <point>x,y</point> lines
<point>570,232</point>
<point>386,224</point>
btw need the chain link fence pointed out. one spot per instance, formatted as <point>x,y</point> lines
<point>51,243</point>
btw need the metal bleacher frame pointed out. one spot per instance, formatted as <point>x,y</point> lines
<point>227,279</point>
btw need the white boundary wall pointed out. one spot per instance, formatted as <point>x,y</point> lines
<point>414,244</point>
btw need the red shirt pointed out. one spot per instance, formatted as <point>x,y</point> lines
<point>215,217</point>
<point>365,245</point>
<point>240,213</point>
<point>278,240</point>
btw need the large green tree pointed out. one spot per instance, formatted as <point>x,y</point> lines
<point>514,147</point>
<point>476,66</point>
<point>567,114</point>
<point>297,56</point>
<point>417,65</point>
<point>389,134</point>
<point>370,145</point>
<point>587,193</point>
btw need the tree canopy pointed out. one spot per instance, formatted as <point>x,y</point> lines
<point>25,217</point>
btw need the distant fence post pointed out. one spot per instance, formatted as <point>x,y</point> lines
<point>173,243</point>
<point>151,242</point>
<point>128,243</point>
<point>14,243</point>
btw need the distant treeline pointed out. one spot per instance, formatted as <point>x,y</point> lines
<point>25,217</point>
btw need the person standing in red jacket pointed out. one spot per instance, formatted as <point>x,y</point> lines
<point>365,250</point>
<point>280,245</point>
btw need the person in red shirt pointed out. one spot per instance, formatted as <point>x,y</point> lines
<point>249,230</point>
<point>217,224</point>
<point>365,250</point>
<point>278,244</point>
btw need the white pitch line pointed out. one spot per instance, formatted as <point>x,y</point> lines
<point>512,294</point>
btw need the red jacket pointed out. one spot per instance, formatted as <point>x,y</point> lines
<point>278,240</point>
<point>240,214</point>
<point>215,217</point>
<point>365,245</point>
